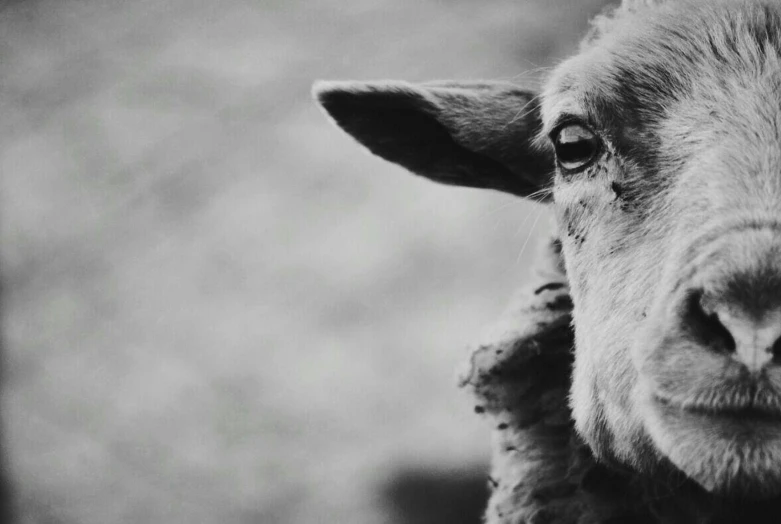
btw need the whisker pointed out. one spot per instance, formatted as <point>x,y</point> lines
<point>523,223</point>
<point>493,211</point>
<point>528,237</point>
<point>522,112</point>
<point>539,195</point>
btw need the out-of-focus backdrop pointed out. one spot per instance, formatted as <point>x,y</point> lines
<point>216,307</point>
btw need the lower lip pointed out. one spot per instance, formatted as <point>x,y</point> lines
<point>727,423</point>
<point>736,452</point>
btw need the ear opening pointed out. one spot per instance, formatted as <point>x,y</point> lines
<point>467,134</point>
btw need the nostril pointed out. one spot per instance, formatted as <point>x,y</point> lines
<point>706,327</point>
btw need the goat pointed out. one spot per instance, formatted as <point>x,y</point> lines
<point>658,147</point>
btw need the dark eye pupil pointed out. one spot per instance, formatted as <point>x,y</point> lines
<point>575,146</point>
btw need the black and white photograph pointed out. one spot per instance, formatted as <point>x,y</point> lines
<point>390,262</point>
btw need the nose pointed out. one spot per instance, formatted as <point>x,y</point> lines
<point>750,337</point>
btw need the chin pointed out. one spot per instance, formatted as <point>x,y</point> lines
<point>727,453</point>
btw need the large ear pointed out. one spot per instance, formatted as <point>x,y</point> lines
<point>465,134</point>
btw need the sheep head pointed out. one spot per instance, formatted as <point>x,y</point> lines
<point>658,147</point>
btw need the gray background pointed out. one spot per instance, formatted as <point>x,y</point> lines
<point>217,308</point>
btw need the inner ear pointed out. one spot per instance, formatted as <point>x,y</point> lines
<point>467,134</point>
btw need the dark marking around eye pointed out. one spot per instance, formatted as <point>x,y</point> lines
<point>617,189</point>
<point>574,233</point>
<point>573,219</point>
<point>624,196</point>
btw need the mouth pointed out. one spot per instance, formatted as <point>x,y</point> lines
<point>734,448</point>
<point>747,412</point>
<point>744,425</point>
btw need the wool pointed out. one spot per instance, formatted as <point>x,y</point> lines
<point>541,470</point>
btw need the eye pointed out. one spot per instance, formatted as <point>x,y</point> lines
<point>576,147</point>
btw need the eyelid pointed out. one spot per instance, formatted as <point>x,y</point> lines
<point>568,119</point>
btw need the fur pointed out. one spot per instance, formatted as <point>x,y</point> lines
<point>671,254</point>
<point>685,96</point>
<point>469,134</point>
<point>542,470</point>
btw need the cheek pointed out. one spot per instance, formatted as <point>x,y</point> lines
<point>593,228</point>
<point>612,285</point>
<point>611,267</point>
<point>589,208</point>
<point>605,240</point>
<point>607,316</point>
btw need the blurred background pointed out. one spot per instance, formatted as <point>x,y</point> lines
<point>216,307</point>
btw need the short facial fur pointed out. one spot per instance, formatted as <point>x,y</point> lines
<point>671,235</point>
<point>685,196</point>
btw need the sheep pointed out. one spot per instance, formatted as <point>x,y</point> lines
<point>640,380</point>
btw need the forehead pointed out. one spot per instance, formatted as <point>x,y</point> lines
<point>638,64</point>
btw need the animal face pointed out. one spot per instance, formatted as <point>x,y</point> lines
<point>661,141</point>
<point>671,230</point>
